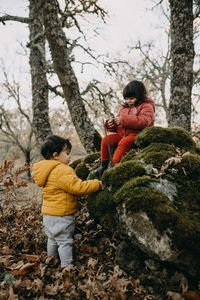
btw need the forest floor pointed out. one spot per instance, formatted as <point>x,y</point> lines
<point>27,273</point>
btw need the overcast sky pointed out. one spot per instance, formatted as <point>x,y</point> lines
<point>128,21</point>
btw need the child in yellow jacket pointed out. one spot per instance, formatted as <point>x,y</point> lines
<point>61,187</point>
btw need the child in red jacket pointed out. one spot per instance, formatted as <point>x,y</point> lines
<point>136,114</point>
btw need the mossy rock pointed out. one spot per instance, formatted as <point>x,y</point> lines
<point>143,181</point>
<point>176,136</point>
<point>198,150</point>
<point>75,163</point>
<point>129,155</point>
<point>84,167</point>
<point>187,169</point>
<point>102,207</point>
<point>123,172</point>
<point>156,154</point>
<point>162,212</point>
<point>90,158</point>
<point>82,171</point>
<point>144,197</point>
<point>188,197</point>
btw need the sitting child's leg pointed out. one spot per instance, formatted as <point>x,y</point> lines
<point>111,139</point>
<point>123,147</point>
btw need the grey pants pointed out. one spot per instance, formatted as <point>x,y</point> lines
<point>60,230</point>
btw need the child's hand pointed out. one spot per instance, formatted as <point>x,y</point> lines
<point>102,186</point>
<point>118,120</point>
<point>111,123</point>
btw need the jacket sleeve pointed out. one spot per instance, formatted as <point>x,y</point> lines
<point>72,184</point>
<point>144,119</point>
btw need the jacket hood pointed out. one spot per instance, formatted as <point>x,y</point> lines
<point>150,101</point>
<point>42,169</point>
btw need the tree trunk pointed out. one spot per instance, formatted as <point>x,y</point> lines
<point>182,56</point>
<point>37,62</point>
<point>57,40</point>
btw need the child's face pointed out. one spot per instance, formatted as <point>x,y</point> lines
<point>63,156</point>
<point>130,101</point>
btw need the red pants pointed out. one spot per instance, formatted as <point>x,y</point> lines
<point>124,144</point>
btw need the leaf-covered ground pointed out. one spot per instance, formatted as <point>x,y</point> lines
<point>27,273</point>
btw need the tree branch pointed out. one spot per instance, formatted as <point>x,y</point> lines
<point>5,18</point>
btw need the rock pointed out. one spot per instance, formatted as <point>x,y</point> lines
<point>84,167</point>
<point>157,212</point>
<point>129,258</point>
<point>173,136</point>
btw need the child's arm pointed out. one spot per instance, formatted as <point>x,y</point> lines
<point>70,183</point>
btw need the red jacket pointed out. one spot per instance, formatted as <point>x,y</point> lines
<point>134,119</point>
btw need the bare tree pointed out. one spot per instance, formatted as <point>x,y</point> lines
<point>41,125</point>
<point>37,62</point>
<point>61,49</point>
<point>68,18</point>
<point>153,66</point>
<point>182,56</point>
<point>16,125</point>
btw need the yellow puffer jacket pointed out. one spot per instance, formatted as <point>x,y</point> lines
<point>61,187</point>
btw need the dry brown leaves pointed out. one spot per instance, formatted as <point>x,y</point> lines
<point>27,273</point>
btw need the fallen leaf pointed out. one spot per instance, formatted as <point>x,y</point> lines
<point>11,293</point>
<point>191,295</point>
<point>5,250</point>
<point>29,257</point>
<point>16,266</point>
<point>92,262</point>
<point>174,296</point>
<point>67,283</point>
<point>24,269</point>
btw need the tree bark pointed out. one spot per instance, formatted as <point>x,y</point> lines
<point>182,57</point>
<point>37,62</point>
<point>60,52</point>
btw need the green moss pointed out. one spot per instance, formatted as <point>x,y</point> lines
<point>86,165</point>
<point>121,173</point>
<point>90,158</point>
<point>156,154</point>
<point>163,213</point>
<point>142,181</point>
<point>129,155</point>
<point>198,150</point>
<point>82,171</point>
<point>75,163</point>
<point>188,169</point>
<point>188,198</point>
<point>143,197</point>
<point>100,204</point>
<point>187,234</point>
<point>159,147</point>
<point>175,135</point>
<point>102,207</point>
<point>181,138</point>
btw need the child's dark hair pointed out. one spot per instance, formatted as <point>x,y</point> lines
<point>54,143</point>
<point>135,89</point>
